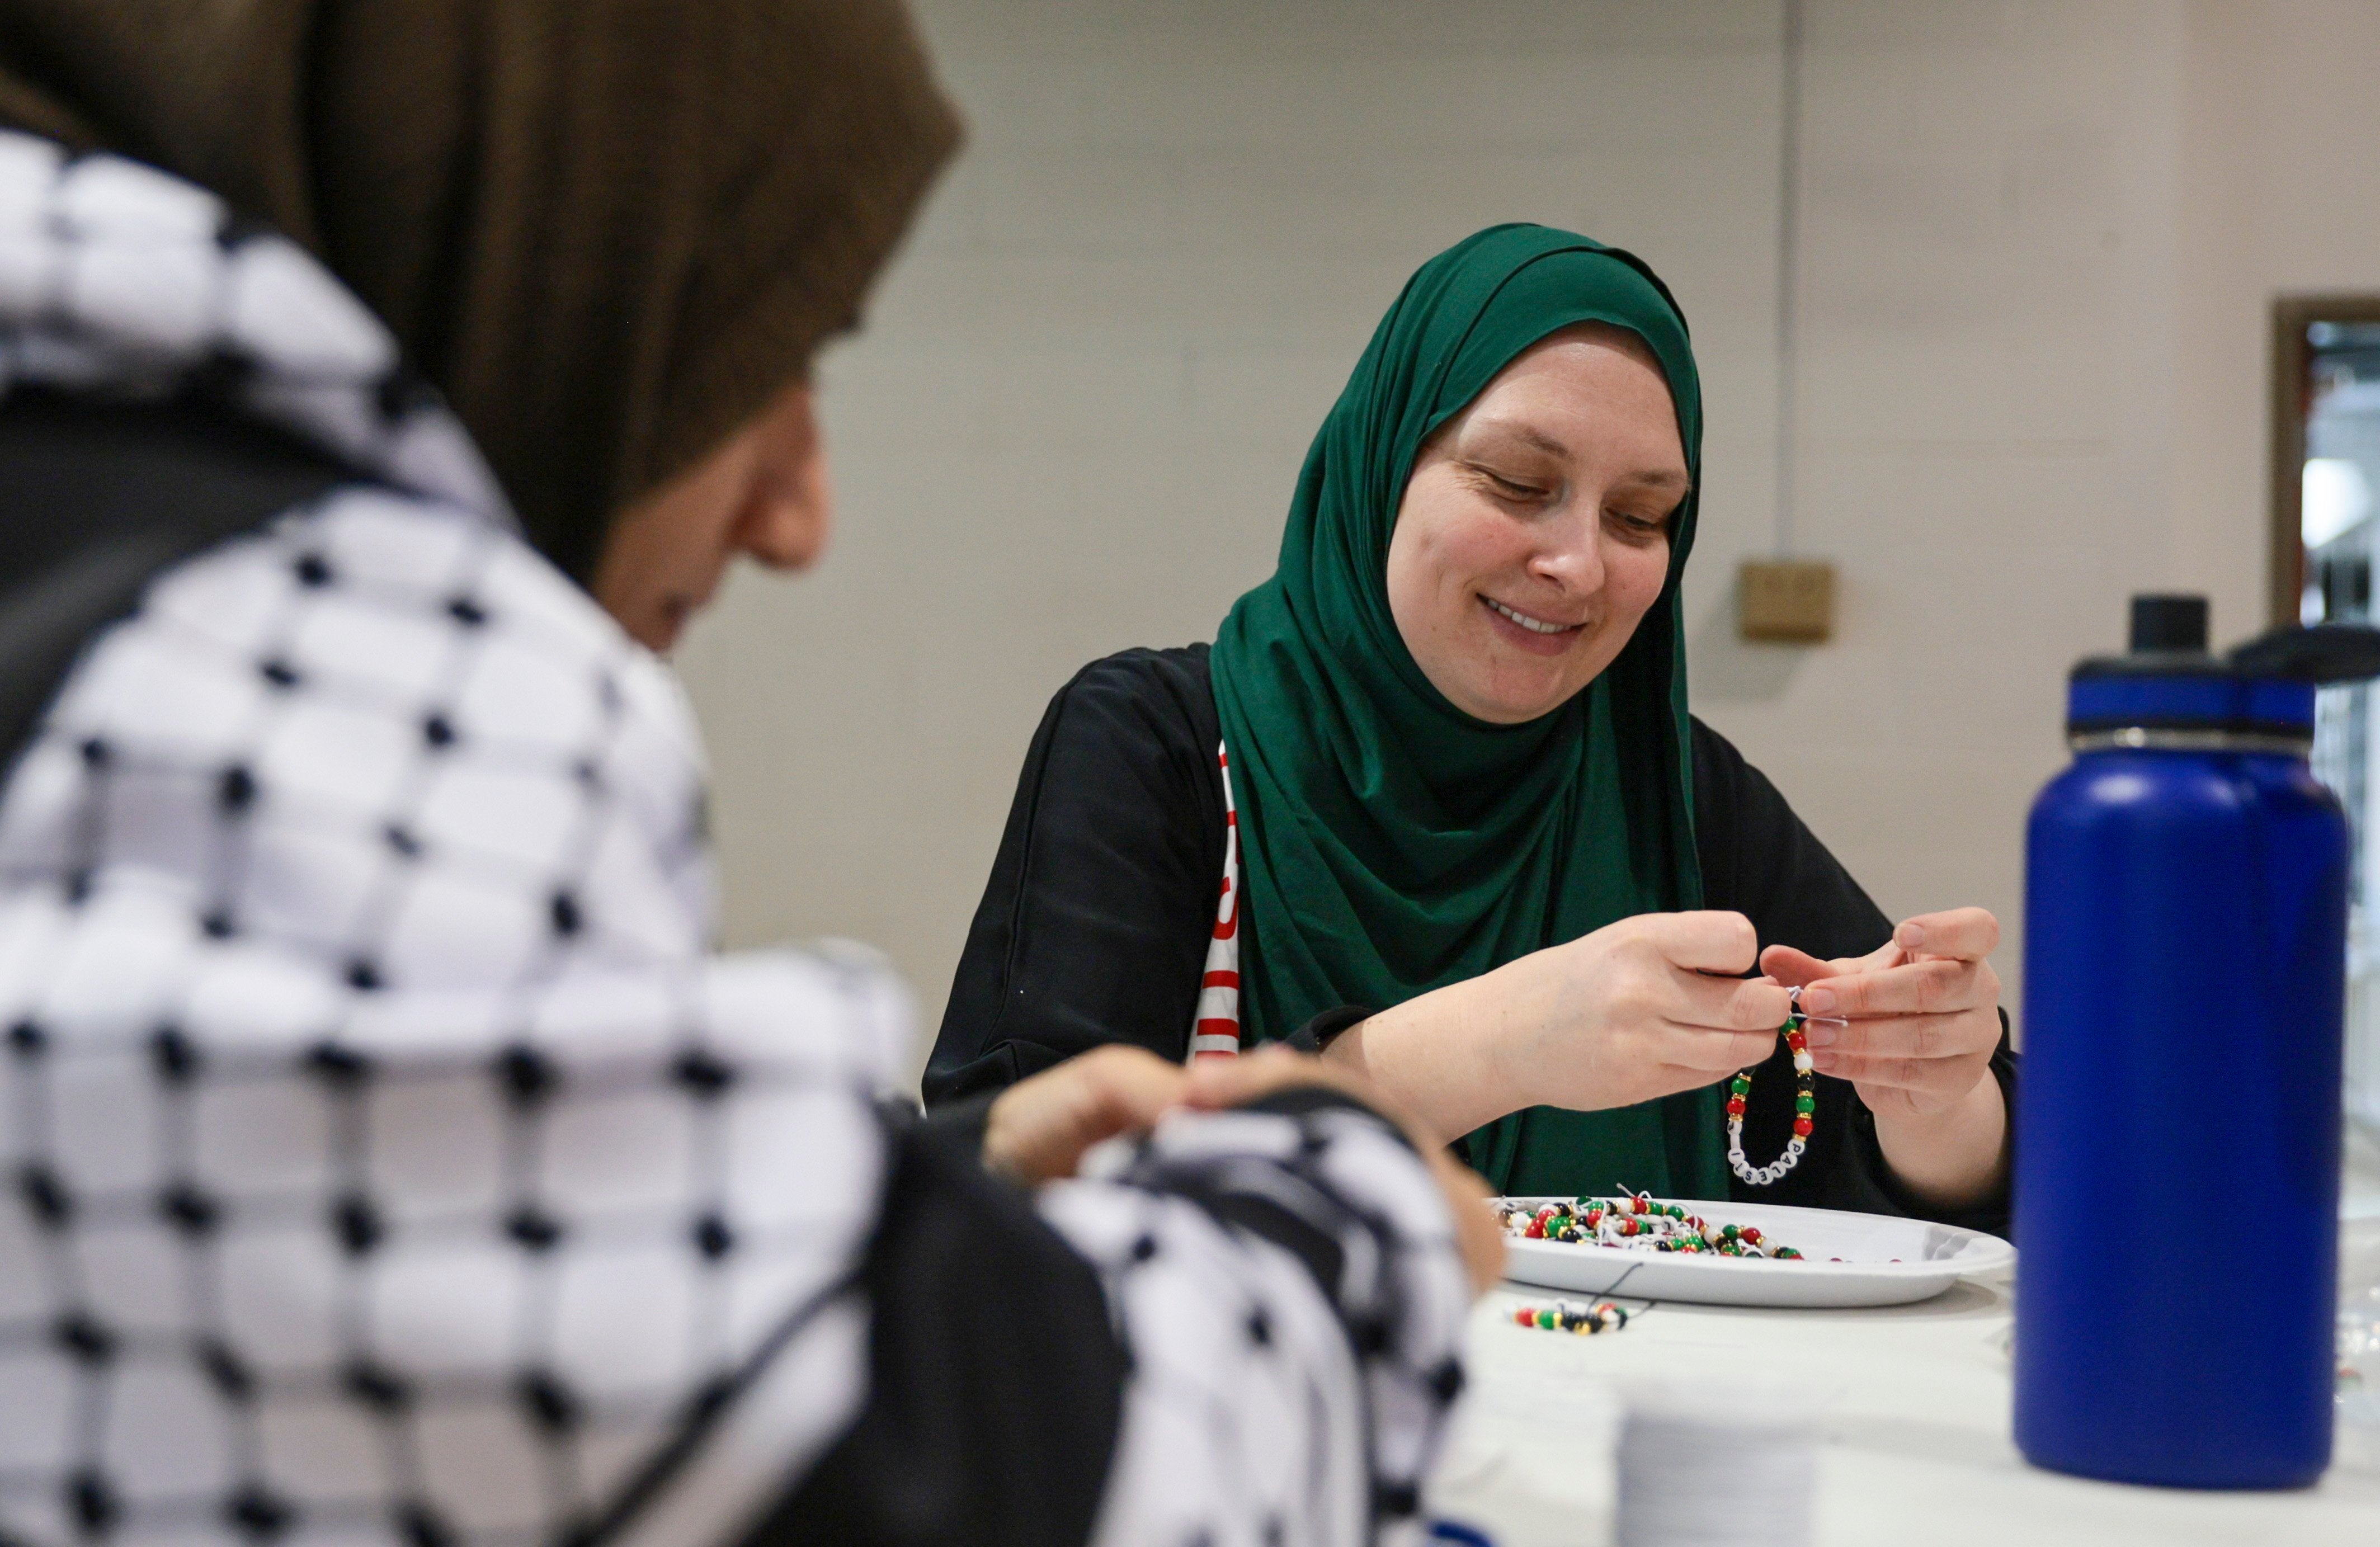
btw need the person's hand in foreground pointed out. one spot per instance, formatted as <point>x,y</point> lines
<point>1039,1128</point>
<point>1216,1084</point>
<point>1923,1019</point>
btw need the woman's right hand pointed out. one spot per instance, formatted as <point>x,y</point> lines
<point>1625,1014</point>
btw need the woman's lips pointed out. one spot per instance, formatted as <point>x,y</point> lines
<point>1539,636</point>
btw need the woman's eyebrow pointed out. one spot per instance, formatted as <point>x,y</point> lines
<point>1529,435</point>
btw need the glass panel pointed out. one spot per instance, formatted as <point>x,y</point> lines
<point>2341,500</point>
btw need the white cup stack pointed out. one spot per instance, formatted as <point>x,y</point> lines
<point>1702,1471</point>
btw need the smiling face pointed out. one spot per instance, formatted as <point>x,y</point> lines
<point>1534,530</point>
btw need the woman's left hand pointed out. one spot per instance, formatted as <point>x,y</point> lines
<point>1924,1011</point>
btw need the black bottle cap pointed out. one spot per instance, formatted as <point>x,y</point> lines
<point>2168,622</point>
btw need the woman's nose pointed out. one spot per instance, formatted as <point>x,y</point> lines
<point>789,522</point>
<point>1573,559</point>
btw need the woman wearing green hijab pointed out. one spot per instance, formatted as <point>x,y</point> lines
<point>1468,838</point>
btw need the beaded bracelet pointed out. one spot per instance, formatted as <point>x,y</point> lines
<point>1583,1319</point>
<point>1805,1104</point>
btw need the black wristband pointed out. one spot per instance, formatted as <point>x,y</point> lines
<point>1327,1027</point>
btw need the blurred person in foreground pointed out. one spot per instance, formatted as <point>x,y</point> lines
<point>389,1158</point>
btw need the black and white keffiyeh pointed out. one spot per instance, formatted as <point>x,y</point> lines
<point>387,1157</point>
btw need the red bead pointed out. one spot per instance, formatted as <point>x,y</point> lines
<point>1802,1127</point>
<point>1749,1233</point>
<point>1641,1205</point>
<point>1629,1226</point>
<point>1537,1230</point>
<point>1524,1317</point>
<point>1735,1106</point>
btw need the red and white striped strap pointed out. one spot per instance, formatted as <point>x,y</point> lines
<point>1216,1031</point>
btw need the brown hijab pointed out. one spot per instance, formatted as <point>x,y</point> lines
<point>608,230</point>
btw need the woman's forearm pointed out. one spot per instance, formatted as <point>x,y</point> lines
<point>1434,1057</point>
<point>1951,1158</point>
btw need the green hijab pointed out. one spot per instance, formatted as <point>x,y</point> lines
<point>1390,842</point>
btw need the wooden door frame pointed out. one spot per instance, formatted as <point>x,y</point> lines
<point>2292,385</point>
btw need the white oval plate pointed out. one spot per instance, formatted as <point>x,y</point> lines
<point>1932,1258</point>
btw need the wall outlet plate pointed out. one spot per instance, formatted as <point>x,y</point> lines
<point>1788,601</point>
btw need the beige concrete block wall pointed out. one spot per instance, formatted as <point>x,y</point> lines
<point>2036,239</point>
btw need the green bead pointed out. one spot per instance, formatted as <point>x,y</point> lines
<point>1546,1320</point>
<point>1805,1103</point>
<point>1729,1231</point>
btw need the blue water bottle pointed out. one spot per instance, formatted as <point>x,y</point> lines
<point>2177,1121</point>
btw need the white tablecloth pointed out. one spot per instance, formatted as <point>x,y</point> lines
<point>1910,1408</point>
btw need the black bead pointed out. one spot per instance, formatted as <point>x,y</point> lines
<point>28,1040</point>
<point>339,1066</point>
<point>279,672</point>
<point>257,1513</point>
<point>235,789</point>
<point>357,1224</point>
<point>713,1238</point>
<point>564,910</point>
<point>401,839</point>
<point>175,1055</point>
<point>466,612</point>
<point>420,1526</point>
<point>84,1339</point>
<point>702,1074</point>
<point>312,569</point>
<point>438,730</point>
<point>46,1195</point>
<point>550,1403</point>
<point>380,1390</point>
<point>95,753</point>
<point>1144,1249</point>
<point>233,1380</point>
<point>529,1076</point>
<point>189,1209</point>
<point>1260,1328</point>
<point>533,1228</point>
<point>363,975</point>
<point>218,923</point>
<point>92,1502</point>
